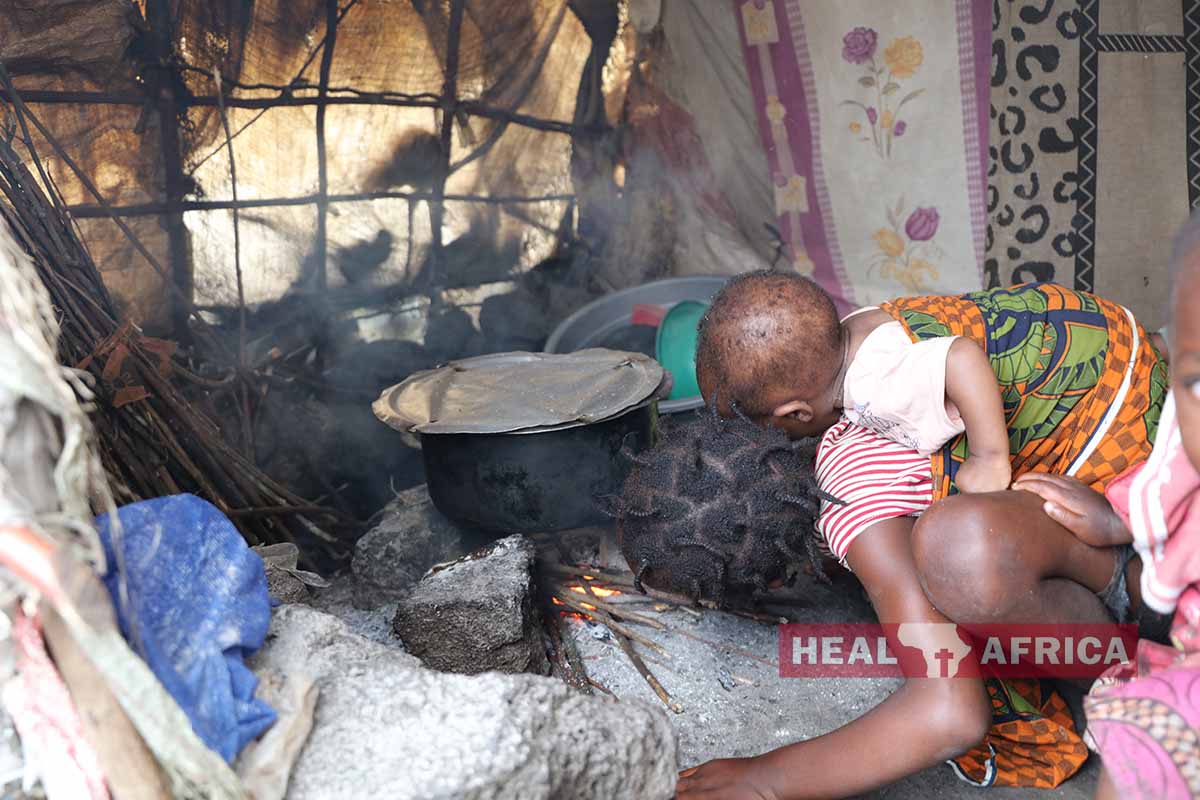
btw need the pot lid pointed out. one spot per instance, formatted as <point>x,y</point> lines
<point>509,392</point>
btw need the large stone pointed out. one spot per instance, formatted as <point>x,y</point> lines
<point>477,614</point>
<point>410,538</point>
<point>386,727</point>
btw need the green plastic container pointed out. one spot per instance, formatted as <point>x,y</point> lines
<point>675,346</point>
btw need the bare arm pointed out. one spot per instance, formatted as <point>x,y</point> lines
<point>1077,508</point>
<point>923,723</point>
<point>971,385</point>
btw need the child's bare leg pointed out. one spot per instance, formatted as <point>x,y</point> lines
<point>998,558</point>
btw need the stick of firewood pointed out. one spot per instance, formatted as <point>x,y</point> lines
<point>622,580</point>
<point>598,685</point>
<point>571,650</point>
<point>599,615</point>
<point>626,599</point>
<point>571,655</point>
<point>774,619</point>
<point>561,661</point>
<point>640,665</point>
<point>662,605</point>
<point>616,610</point>
<point>645,672</point>
<point>566,655</point>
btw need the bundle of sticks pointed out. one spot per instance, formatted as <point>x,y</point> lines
<point>152,440</point>
<point>586,590</point>
<point>565,587</point>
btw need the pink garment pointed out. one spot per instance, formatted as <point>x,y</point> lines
<point>1159,500</point>
<point>1145,730</point>
<point>897,388</point>
<point>1143,716</point>
<point>48,722</point>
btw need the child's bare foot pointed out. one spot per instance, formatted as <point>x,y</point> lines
<point>984,473</point>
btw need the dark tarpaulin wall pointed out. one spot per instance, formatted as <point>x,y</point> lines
<point>516,55</point>
<point>83,46</point>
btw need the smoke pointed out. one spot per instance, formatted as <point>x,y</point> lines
<point>647,204</point>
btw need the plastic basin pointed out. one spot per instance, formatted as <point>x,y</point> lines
<point>598,320</point>
<point>675,346</point>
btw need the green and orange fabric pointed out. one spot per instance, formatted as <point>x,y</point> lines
<point>1083,385</point>
<point>1032,741</point>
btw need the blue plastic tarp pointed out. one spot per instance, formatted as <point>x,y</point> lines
<point>197,596</point>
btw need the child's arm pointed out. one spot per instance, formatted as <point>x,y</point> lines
<point>920,725</point>
<point>971,385</point>
<point>1077,508</point>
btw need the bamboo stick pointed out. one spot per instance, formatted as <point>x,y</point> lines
<point>320,244</point>
<point>288,98</point>
<point>243,384</point>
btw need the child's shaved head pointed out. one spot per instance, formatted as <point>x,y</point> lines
<point>766,329</point>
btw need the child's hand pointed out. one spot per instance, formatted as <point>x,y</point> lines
<point>984,473</point>
<point>724,779</point>
<point>1077,508</point>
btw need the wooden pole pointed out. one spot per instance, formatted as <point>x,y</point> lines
<point>158,16</point>
<point>130,768</point>
<point>88,210</point>
<point>437,208</point>
<point>336,96</point>
<point>321,243</point>
<point>244,385</point>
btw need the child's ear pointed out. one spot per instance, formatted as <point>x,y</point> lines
<point>799,410</point>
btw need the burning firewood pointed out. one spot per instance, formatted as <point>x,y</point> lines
<point>623,639</point>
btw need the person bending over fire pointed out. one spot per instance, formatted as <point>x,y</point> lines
<point>1081,387</point>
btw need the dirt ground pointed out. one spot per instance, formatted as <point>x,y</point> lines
<point>723,670</point>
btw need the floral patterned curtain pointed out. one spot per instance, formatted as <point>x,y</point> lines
<point>874,122</point>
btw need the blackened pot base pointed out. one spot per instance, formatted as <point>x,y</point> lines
<point>532,482</point>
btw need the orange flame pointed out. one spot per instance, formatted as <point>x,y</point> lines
<point>600,591</point>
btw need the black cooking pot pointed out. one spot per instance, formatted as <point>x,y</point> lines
<point>527,482</point>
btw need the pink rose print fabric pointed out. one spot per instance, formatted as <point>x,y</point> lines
<point>873,118</point>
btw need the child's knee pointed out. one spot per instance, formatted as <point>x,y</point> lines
<point>963,560</point>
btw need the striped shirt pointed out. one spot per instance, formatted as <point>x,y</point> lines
<point>877,478</point>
